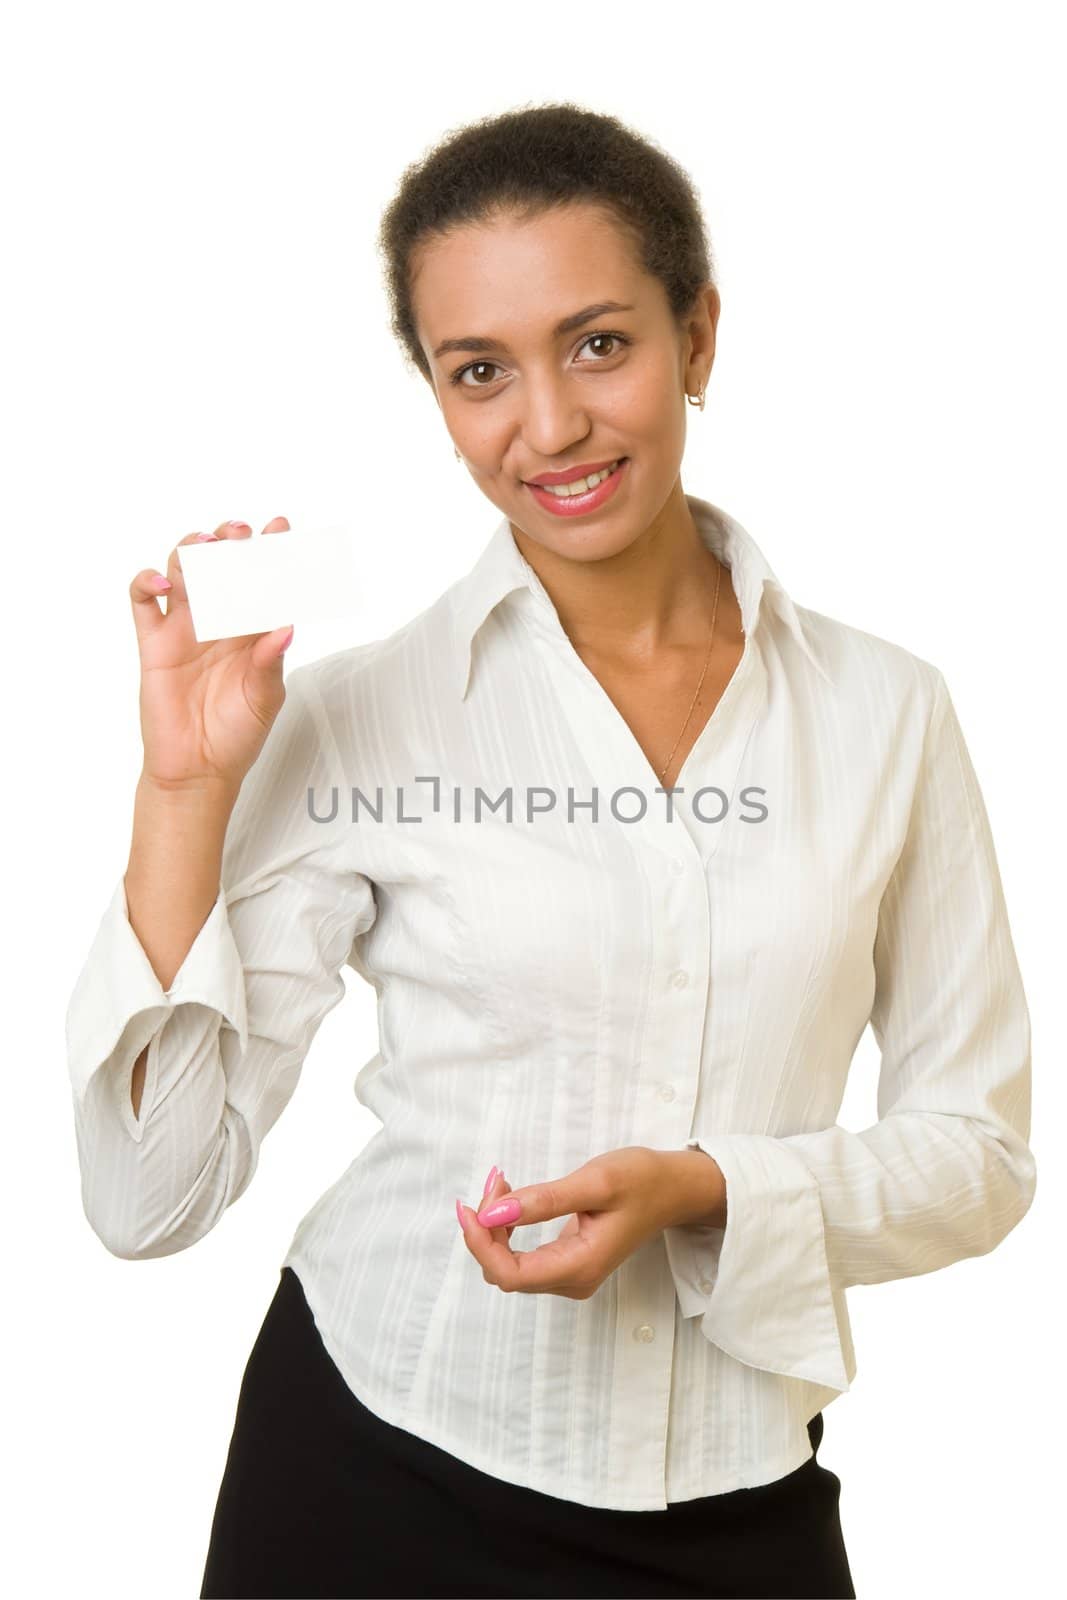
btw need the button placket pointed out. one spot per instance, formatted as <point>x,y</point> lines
<point>680,947</point>
<point>644,1357</point>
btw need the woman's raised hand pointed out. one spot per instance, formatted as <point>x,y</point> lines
<point>206,709</point>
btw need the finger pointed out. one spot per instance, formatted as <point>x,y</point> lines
<point>496,1191</point>
<point>588,1247</point>
<point>266,654</point>
<point>177,597</point>
<point>560,1266</point>
<point>493,1191</point>
<point>480,1241</point>
<point>505,1188</point>
<point>147,590</point>
<point>493,1255</point>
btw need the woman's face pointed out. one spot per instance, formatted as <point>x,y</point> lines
<point>521,396</point>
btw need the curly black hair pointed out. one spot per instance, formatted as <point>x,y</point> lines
<point>525,161</point>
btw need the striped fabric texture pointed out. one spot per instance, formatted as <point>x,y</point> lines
<point>568,960</point>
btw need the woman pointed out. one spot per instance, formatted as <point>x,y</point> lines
<point>636,848</point>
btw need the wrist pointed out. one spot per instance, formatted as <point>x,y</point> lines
<point>202,792</point>
<point>694,1189</point>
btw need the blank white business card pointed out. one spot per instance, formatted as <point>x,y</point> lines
<point>269,580</point>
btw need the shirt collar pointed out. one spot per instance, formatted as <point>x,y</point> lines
<point>502,568</point>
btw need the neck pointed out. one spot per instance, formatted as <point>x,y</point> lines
<point>654,595</point>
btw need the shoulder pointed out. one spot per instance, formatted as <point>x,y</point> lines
<point>883,698</point>
<point>886,709</point>
<point>375,662</point>
<point>879,673</point>
<point>380,685</point>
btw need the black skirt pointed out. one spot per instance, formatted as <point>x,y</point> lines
<point>320,1497</point>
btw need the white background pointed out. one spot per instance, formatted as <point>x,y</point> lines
<point>195,328</point>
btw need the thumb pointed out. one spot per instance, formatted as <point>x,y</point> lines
<point>538,1202</point>
<point>269,649</point>
<point>264,675</point>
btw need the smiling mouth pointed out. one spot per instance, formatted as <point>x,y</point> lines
<point>564,491</point>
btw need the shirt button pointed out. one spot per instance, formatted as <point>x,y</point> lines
<point>705,1286</point>
<point>666,1091</point>
<point>679,979</point>
<point>645,1333</point>
<point>677,866</point>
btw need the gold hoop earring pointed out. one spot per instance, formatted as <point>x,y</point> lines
<point>696,400</point>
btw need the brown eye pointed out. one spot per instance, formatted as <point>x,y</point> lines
<point>472,366</point>
<point>485,369</point>
<point>615,340</point>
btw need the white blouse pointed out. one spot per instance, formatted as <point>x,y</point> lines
<point>568,960</point>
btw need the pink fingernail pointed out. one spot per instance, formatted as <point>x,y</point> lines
<point>459,1213</point>
<point>201,537</point>
<point>489,1182</point>
<point>499,1215</point>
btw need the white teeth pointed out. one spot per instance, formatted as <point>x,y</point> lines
<point>580,485</point>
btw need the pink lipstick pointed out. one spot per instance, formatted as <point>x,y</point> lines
<point>576,505</point>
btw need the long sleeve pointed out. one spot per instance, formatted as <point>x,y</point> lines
<point>946,1172</point>
<point>228,1039</point>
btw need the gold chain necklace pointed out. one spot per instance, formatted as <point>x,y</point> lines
<point>707,658</point>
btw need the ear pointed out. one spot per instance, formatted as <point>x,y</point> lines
<point>700,331</point>
<point>709,297</point>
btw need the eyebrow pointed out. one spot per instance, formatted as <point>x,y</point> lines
<point>478,342</point>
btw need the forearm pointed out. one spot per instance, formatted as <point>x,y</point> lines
<point>694,1189</point>
<point>172,877</point>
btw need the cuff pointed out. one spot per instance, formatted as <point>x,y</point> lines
<point>118,982</point>
<point>770,1300</point>
<point>693,1252</point>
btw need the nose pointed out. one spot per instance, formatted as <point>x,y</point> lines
<point>553,417</point>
